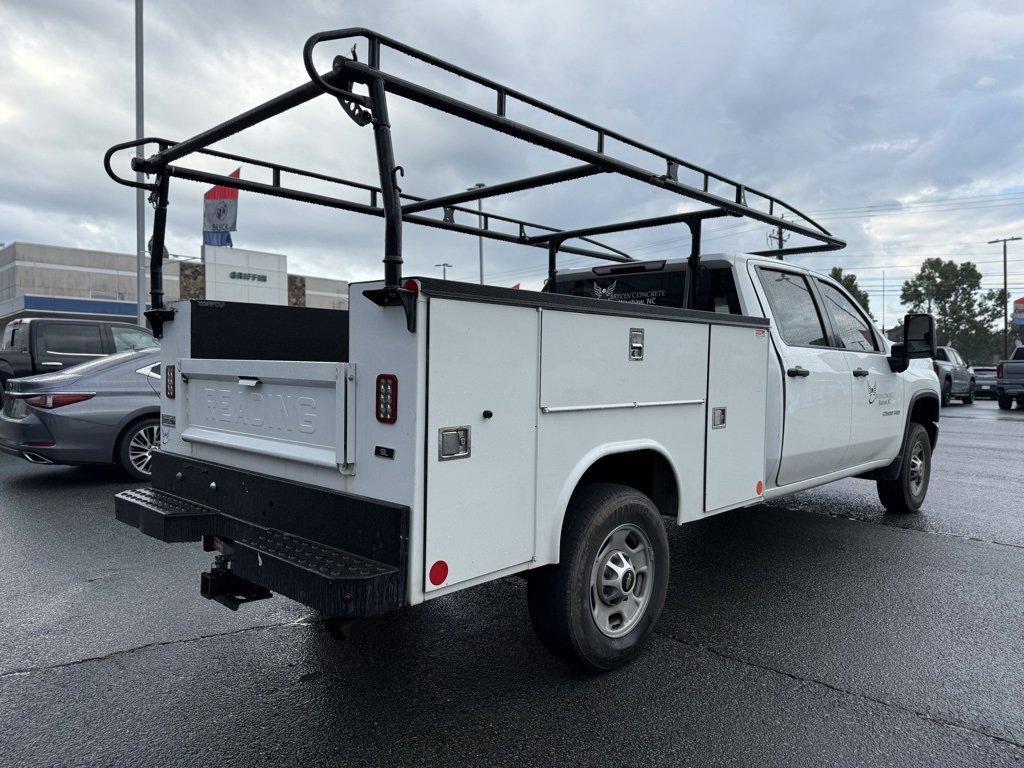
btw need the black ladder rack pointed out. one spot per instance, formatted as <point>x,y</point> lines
<point>722,195</point>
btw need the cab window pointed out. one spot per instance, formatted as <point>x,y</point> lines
<point>7,342</point>
<point>940,354</point>
<point>70,339</point>
<point>849,324</point>
<point>793,308</point>
<point>131,338</point>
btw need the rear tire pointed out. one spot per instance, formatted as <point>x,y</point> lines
<point>598,606</point>
<point>947,393</point>
<point>968,399</point>
<point>906,492</point>
<point>134,449</point>
<point>1005,403</point>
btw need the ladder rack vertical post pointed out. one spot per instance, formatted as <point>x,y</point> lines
<point>390,197</point>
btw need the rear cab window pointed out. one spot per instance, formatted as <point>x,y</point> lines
<point>793,308</point>
<point>716,291</point>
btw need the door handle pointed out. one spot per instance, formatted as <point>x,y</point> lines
<point>51,365</point>
<point>860,372</point>
<point>798,371</point>
<point>249,381</point>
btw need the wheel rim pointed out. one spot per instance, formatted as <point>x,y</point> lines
<point>621,580</point>
<point>140,447</point>
<point>917,468</point>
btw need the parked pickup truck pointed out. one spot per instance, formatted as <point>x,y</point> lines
<point>956,379</point>
<point>35,345</point>
<point>449,434</point>
<point>1010,380</point>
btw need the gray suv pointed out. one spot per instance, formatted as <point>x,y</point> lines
<point>955,376</point>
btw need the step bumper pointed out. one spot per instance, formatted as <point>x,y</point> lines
<point>339,554</point>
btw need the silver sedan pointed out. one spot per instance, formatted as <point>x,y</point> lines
<point>105,411</point>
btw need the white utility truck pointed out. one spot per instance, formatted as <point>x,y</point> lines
<point>446,434</point>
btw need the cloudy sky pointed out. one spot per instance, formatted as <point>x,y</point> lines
<point>899,126</point>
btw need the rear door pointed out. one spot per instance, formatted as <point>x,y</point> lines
<point>961,374</point>
<point>876,392</point>
<point>817,407</point>
<point>61,345</point>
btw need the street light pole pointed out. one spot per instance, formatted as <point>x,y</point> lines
<point>1006,296</point>
<point>444,269</point>
<point>480,223</point>
<point>140,195</point>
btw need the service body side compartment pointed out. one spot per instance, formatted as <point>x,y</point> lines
<point>482,389</point>
<point>599,396</point>
<point>737,396</point>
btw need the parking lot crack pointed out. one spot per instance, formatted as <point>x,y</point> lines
<point>929,716</point>
<point>147,646</point>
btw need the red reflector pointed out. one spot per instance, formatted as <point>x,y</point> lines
<point>759,488</point>
<point>438,573</point>
<point>387,398</point>
<point>56,401</point>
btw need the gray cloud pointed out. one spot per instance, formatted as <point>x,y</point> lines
<point>829,106</point>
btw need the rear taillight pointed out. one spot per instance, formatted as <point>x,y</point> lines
<point>169,382</point>
<point>57,401</point>
<point>935,367</point>
<point>999,371</point>
<point>387,398</point>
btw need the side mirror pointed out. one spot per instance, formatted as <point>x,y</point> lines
<point>918,342</point>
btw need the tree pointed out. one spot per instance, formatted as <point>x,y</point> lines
<point>964,315</point>
<point>849,282</point>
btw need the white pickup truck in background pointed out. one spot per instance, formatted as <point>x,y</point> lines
<point>450,433</point>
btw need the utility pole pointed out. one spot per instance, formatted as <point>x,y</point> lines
<point>444,269</point>
<point>480,223</point>
<point>883,302</point>
<point>779,239</point>
<point>1006,296</point>
<point>140,194</point>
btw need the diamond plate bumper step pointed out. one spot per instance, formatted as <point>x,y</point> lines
<point>329,579</point>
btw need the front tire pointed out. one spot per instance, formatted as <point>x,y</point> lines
<point>598,606</point>
<point>135,448</point>
<point>968,399</point>
<point>906,492</point>
<point>1005,403</point>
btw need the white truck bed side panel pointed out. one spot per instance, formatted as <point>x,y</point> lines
<point>480,507</point>
<point>737,378</point>
<point>379,342</point>
<point>585,366</point>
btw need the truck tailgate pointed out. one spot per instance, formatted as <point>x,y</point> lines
<point>1013,371</point>
<point>289,410</point>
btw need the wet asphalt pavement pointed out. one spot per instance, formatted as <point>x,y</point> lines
<point>811,631</point>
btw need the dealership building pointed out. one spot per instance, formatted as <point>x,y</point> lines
<point>37,280</point>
